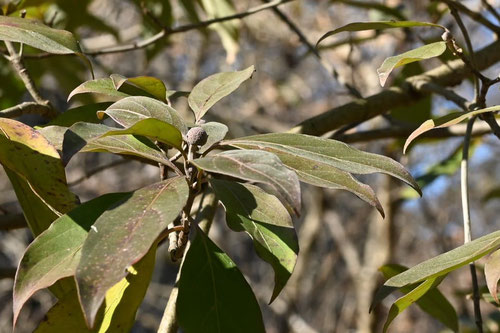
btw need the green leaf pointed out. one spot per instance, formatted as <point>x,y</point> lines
<point>123,235</point>
<point>37,35</point>
<point>103,87</point>
<point>26,152</point>
<point>447,262</point>
<point>267,222</point>
<point>55,253</point>
<point>151,85</point>
<point>421,53</point>
<point>380,25</point>
<point>118,313</point>
<point>446,121</point>
<point>433,302</point>
<point>152,128</point>
<point>216,132</point>
<point>130,110</point>
<point>213,294</point>
<point>256,166</point>
<point>414,295</point>
<point>492,273</point>
<point>215,87</point>
<point>85,113</point>
<point>306,149</point>
<point>86,137</point>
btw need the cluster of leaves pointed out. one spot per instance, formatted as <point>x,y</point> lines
<point>99,255</point>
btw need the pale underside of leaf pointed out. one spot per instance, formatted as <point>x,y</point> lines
<point>492,273</point>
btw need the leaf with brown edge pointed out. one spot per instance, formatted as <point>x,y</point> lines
<point>123,235</point>
<point>445,121</point>
<point>55,253</point>
<point>492,273</point>
<point>421,53</point>
<point>256,166</point>
<point>215,87</point>
<point>26,152</point>
<point>130,110</point>
<point>266,221</point>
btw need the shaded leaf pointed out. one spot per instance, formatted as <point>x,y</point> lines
<point>55,253</point>
<point>447,262</point>
<point>405,301</point>
<point>492,273</point>
<point>215,87</point>
<point>256,166</point>
<point>37,35</point>
<point>213,294</point>
<point>380,25</point>
<point>216,132</point>
<point>118,313</point>
<point>130,110</point>
<point>445,121</point>
<point>27,153</point>
<point>433,302</point>
<point>103,87</point>
<point>331,153</point>
<point>123,235</point>
<point>267,222</point>
<point>85,113</point>
<point>151,85</point>
<point>421,53</point>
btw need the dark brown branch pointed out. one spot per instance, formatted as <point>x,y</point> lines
<point>449,74</point>
<point>7,272</point>
<point>491,9</point>
<point>27,108</point>
<point>473,15</point>
<point>12,221</point>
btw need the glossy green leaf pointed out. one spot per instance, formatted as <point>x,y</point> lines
<point>405,301</point>
<point>215,87</point>
<point>37,35</point>
<point>213,294</point>
<point>130,110</point>
<point>26,152</point>
<point>55,253</point>
<point>267,222</point>
<point>256,166</point>
<point>216,132</point>
<point>447,262</point>
<point>326,152</point>
<point>446,121</point>
<point>102,87</point>
<point>85,113</point>
<point>86,137</point>
<point>123,235</point>
<point>380,25</point>
<point>152,128</point>
<point>421,53</point>
<point>151,85</point>
<point>433,302</point>
<point>492,273</point>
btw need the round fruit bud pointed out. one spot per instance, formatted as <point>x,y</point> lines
<point>446,36</point>
<point>196,136</point>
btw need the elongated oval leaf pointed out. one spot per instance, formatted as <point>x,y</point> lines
<point>215,87</point>
<point>424,52</point>
<point>256,166</point>
<point>447,262</point>
<point>492,273</point>
<point>263,217</point>
<point>445,121</point>
<point>301,150</point>
<point>27,153</point>
<point>120,304</point>
<point>216,132</point>
<point>213,294</point>
<point>152,128</point>
<point>123,235</point>
<point>85,113</point>
<point>55,253</point>
<point>103,87</point>
<point>130,110</point>
<point>151,85</point>
<point>377,25</point>
<point>37,35</point>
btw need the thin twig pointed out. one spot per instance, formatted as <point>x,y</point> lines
<point>467,222</point>
<point>491,9</point>
<point>97,170</point>
<point>473,15</point>
<point>26,108</point>
<point>7,272</point>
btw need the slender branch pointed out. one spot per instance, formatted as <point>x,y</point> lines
<point>473,15</point>
<point>7,272</point>
<point>467,222</point>
<point>491,9</point>
<point>26,108</point>
<point>12,221</point>
<point>450,95</point>
<point>98,170</point>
